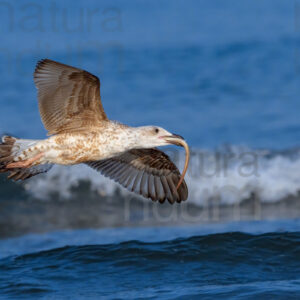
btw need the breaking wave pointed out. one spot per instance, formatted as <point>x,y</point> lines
<point>230,174</point>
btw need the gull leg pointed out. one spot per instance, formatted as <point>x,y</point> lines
<point>24,163</point>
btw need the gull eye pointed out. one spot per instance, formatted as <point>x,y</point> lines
<point>156,130</point>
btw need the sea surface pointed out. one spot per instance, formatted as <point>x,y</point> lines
<point>223,74</point>
<point>156,263</point>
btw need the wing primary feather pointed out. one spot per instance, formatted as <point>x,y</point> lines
<point>172,188</point>
<point>114,171</point>
<point>151,190</point>
<point>131,176</point>
<point>124,176</point>
<point>143,185</point>
<point>159,189</point>
<point>136,180</point>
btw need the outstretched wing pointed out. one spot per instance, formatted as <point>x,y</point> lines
<point>69,98</point>
<point>148,172</point>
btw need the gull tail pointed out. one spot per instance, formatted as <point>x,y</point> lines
<point>10,149</point>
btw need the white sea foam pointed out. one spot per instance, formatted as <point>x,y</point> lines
<point>230,176</point>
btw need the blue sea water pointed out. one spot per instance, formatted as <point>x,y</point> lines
<point>216,72</point>
<point>223,74</point>
<point>165,263</point>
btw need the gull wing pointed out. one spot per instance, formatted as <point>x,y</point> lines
<point>148,172</point>
<point>69,98</point>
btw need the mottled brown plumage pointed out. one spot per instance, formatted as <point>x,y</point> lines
<point>71,110</point>
<point>69,98</point>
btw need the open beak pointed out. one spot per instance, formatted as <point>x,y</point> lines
<point>178,140</point>
<point>175,139</point>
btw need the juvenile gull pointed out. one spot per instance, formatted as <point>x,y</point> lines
<point>80,132</point>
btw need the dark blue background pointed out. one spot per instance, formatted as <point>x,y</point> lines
<point>214,71</point>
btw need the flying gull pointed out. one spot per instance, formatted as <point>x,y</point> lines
<point>80,132</point>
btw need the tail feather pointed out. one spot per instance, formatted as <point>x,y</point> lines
<point>12,147</point>
<point>6,151</point>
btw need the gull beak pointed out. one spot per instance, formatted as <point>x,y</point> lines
<point>175,139</point>
<point>178,140</point>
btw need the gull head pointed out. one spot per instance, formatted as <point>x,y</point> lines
<point>154,136</point>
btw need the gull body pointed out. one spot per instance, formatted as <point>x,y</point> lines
<point>97,144</point>
<point>80,132</point>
